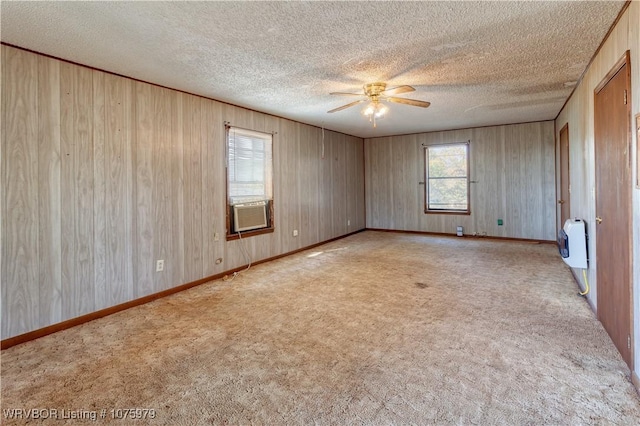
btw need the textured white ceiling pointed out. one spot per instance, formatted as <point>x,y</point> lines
<point>478,63</point>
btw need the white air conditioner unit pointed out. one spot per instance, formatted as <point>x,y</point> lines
<point>248,216</point>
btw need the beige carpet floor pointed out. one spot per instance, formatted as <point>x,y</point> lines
<point>377,328</point>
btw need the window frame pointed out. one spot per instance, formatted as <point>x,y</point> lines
<point>427,210</point>
<point>230,234</point>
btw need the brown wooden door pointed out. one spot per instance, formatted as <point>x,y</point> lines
<point>613,205</point>
<point>565,187</point>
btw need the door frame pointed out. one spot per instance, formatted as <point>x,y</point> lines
<point>560,162</point>
<point>624,60</point>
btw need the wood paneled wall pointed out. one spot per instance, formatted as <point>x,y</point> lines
<point>513,170</point>
<point>578,113</point>
<point>103,175</point>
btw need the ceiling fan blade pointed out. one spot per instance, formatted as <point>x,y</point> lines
<point>347,94</point>
<point>346,106</point>
<point>412,102</point>
<point>398,90</point>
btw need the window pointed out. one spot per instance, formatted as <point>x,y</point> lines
<point>249,181</point>
<point>447,178</point>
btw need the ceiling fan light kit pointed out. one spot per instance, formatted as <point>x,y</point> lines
<point>375,111</point>
<point>376,93</point>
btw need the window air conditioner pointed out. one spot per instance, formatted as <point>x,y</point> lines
<point>249,216</point>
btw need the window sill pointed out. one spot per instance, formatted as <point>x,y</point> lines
<point>461,213</point>
<point>247,234</point>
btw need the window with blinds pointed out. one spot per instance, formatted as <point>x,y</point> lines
<point>249,166</point>
<point>249,182</point>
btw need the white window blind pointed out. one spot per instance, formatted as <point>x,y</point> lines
<point>249,166</point>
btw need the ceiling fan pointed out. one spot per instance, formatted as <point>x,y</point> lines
<point>375,94</point>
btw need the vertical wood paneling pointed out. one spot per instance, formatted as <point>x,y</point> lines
<point>177,180</point>
<point>117,187</point>
<point>103,175</point>
<point>339,202</point>
<point>325,188</point>
<point>84,294</point>
<point>487,157</point>
<point>368,179</point>
<point>207,196</point>
<point>545,170</point>
<point>503,178</point>
<point>352,200</point>
<point>49,260</point>
<point>313,166</point>
<point>283,161</point>
<point>295,189</point>
<point>217,184</point>
<point>304,185</point>
<point>100,236</point>
<point>183,133</point>
<point>548,177</point>
<point>516,174</point>
<point>534,214</point>
<point>67,190</point>
<point>359,161</point>
<point>290,191</point>
<point>419,151</point>
<point>385,180</point>
<point>414,177</point>
<point>144,211</point>
<point>379,188</point>
<point>405,178</point>
<point>20,191</point>
<point>513,168</point>
<point>128,128</point>
<point>398,178</point>
<point>161,197</point>
<point>211,197</point>
<point>371,193</point>
<point>192,189</point>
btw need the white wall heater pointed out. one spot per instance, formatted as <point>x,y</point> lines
<point>572,243</point>
<point>248,216</point>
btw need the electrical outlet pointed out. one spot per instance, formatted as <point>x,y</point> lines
<point>295,232</point>
<point>159,265</point>
<point>348,222</point>
<point>216,236</point>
